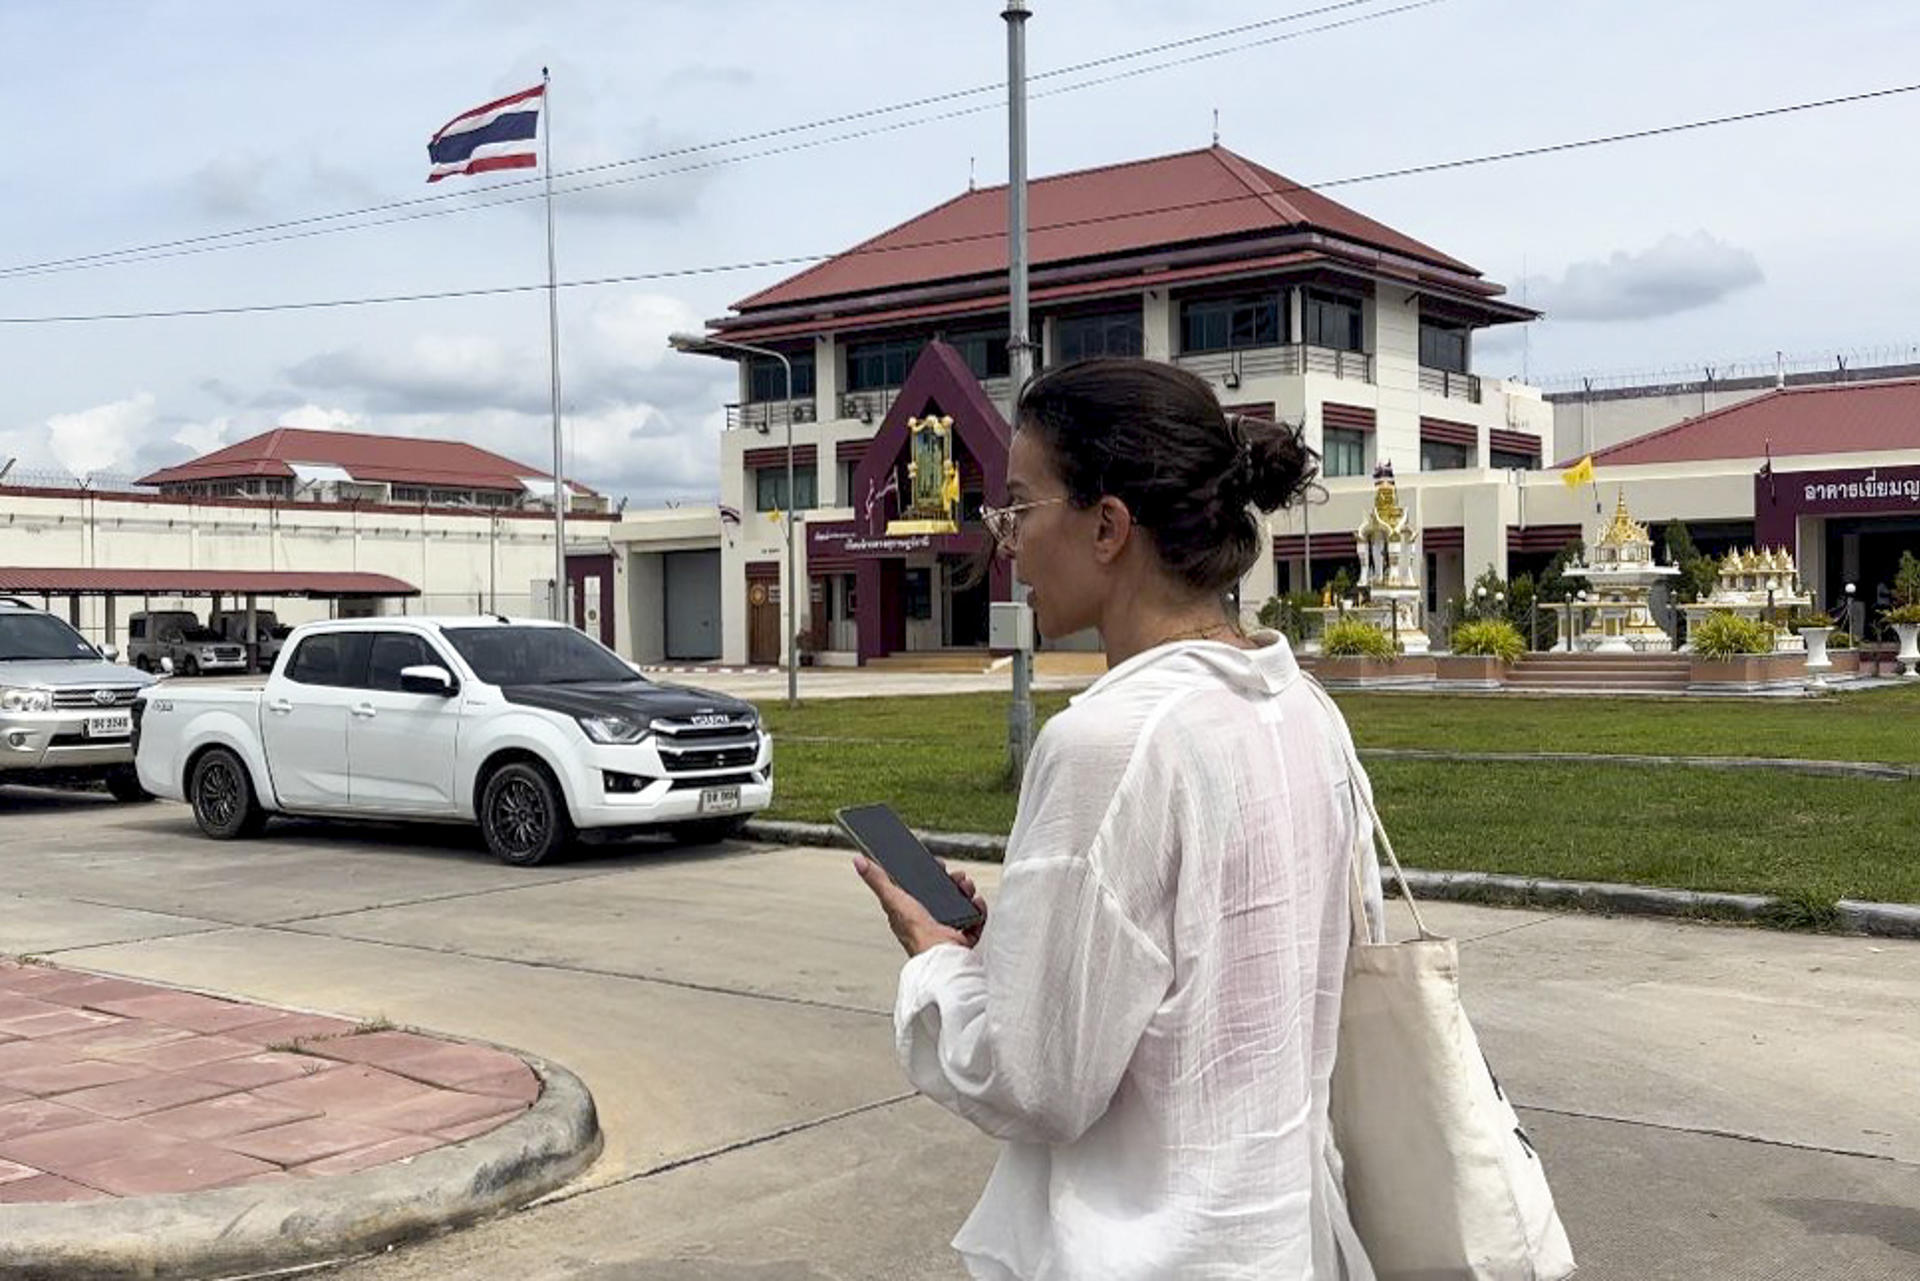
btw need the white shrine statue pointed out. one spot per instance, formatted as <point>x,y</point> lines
<point>1384,541</point>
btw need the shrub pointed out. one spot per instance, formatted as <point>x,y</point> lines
<point>1809,618</point>
<point>1903,614</point>
<point>1723,635</point>
<point>1490,638</point>
<point>1906,584</point>
<point>1289,614</point>
<point>1840,640</point>
<point>1351,638</point>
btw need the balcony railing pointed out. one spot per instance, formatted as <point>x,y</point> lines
<point>1444,382</point>
<point>1231,367</point>
<point>868,406</point>
<point>764,415</point>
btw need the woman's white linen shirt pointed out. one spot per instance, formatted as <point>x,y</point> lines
<point>1150,1018</point>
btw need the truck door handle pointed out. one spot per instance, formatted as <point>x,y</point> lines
<point>364,711</point>
<point>280,705</point>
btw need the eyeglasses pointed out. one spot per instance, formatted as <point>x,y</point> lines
<point>1003,523</point>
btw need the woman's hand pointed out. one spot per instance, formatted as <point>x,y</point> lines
<point>910,922</point>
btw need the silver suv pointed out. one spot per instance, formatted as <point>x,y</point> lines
<point>66,709</point>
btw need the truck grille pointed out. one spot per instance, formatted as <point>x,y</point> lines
<point>77,699</point>
<point>704,758</point>
<point>686,748</point>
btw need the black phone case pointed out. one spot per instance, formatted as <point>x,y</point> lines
<point>887,841</point>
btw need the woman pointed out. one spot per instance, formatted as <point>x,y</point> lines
<point>1149,1017</point>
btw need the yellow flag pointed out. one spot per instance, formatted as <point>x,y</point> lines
<point>1578,474</point>
<point>774,515</point>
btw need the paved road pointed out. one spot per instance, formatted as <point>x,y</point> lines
<point>1714,1103</point>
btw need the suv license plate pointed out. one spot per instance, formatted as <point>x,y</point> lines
<point>719,800</point>
<point>116,725</point>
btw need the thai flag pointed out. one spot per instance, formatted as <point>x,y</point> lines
<point>500,135</point>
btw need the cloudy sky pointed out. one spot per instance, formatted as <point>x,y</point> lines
<point>144,123</point>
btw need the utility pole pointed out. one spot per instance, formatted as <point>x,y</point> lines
<point>1019,346</point>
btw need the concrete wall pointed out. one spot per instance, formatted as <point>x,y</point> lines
<point>444,553</point>
<point>1581,427</point>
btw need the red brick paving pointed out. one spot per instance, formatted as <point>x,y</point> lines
<point>112,1088</point>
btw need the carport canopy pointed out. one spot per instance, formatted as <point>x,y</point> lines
<point>327,585</point>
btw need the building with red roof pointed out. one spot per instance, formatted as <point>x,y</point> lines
<point>302,464</point>
<point>1287,302</point>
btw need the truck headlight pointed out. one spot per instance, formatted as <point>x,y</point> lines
<point>15,698</point>
<point>208,656</point>
<point>614,729</point>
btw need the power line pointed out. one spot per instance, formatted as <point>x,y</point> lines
<point>437,204</point>
<point>800,259</point>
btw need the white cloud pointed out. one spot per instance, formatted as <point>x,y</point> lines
<point>314,417</point>
<point>204,438</point>
<point>1676,274</point>
<point>230,186</point>
<point>98,439</point>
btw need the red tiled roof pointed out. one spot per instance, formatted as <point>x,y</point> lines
<point>398,460</point>
<point>1144,204</point>
<point>199,582</point>
<point>1844,418</point>
<point>988,303</point>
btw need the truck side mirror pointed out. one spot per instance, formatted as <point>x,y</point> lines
<point>428,679</point>
<point>166,665</point>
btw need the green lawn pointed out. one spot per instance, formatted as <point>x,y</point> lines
<point>940,762</point>
<point>1871,725</point>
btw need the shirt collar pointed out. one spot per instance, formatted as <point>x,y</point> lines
<point>1271,667</point>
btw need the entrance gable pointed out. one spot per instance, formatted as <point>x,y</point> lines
<point>939,380</point>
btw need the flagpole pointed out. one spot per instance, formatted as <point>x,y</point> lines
<point>559,602</point>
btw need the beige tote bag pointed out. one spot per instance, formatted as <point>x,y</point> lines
<point>1442,1183</point>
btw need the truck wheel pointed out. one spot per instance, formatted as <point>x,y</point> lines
<point>523,814</point>
<point>708,831</point>
<point>190,667</point>
<point>144,663</point>
<point>123,783</point>
<point>223,801</point>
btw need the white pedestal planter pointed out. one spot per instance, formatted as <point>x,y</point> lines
<point>1909,655</point>
<point>1818,664</point>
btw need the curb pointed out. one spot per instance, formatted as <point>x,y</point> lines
<point>1783,764</point>
<point>309,1222</point>
<point>1885,920</point>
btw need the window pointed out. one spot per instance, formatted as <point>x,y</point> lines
<point>1332,320</point>
<point>872,365</point>
<point>392,653</point>
<point>409,494</point>
<point>1443,347</point>
<point>1113,333</point>
<point>847,470</point>
<point>919,594</point>
<point>985,353</point>
<point>1438,456</point>
<point>1343,452</point>
<point>1502,460</point>
<point>767,378</point>
<point>509,655</point>
<point>31,636</point>
<point>335,658</point>
<point>1228,324</point>
<point>770,489</point>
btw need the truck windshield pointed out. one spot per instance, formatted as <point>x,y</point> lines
<point>537,656</point>
<point>40,637</point>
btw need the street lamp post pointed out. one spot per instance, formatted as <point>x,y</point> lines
<point>701,343</point>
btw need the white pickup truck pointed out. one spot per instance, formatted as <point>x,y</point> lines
<point>530,729</point>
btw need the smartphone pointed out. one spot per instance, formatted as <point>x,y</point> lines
<point>880,834</point>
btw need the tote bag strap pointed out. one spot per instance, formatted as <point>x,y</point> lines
<point>1363,803</point>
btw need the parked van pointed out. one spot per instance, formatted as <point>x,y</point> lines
<point>178,634</point>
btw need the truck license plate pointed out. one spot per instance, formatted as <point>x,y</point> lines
<point>719,800</point>
<point>113,725</point>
